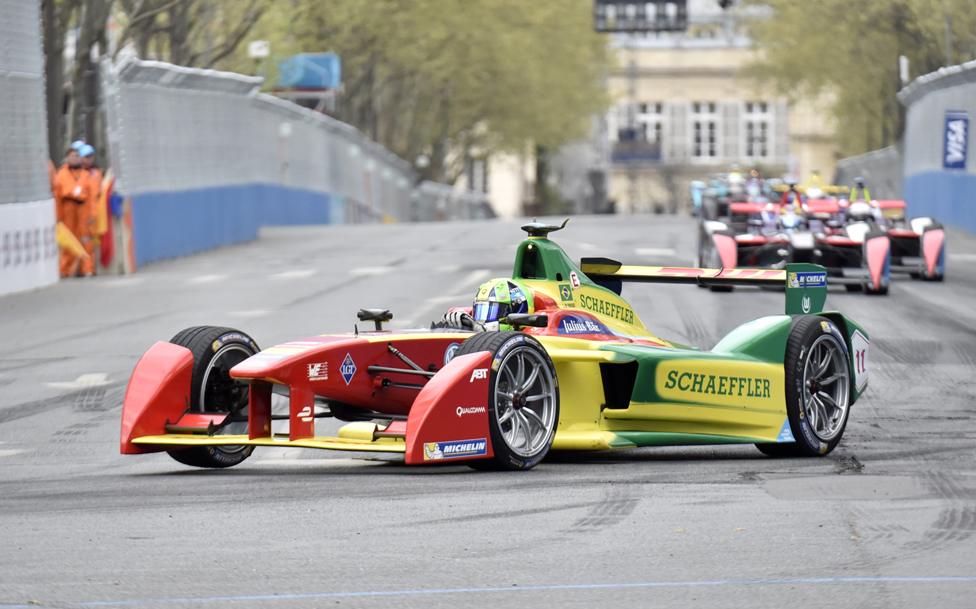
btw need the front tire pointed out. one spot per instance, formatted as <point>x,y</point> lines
<point>212,390</point>
<point>523,403</point>
<point>818,388</point>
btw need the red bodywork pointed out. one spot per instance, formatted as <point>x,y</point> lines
<point>449,407</point>
<point>932,243</point>
<point>158,393</point>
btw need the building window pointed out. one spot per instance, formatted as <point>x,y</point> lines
<point>758,119</point>
<point>650,122</point>
<point>704,130</point>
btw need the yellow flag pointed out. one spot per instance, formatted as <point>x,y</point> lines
<point>67,241</point>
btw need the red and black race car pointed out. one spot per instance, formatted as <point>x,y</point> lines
<point>917,245</point>
<point>772,235</point>
<point>859,243</point>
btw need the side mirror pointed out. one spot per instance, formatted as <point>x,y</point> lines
<point>532,320</point>
<point>377,316</point>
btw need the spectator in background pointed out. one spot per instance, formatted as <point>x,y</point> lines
<point>90,235</point>
<point>72,185</point>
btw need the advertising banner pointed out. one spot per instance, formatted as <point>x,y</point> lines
<point>955,140</point>
<point>28,251</point>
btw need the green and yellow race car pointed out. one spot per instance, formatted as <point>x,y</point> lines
<point>551,358</point>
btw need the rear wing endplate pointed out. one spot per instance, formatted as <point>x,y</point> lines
<point>805,284</point>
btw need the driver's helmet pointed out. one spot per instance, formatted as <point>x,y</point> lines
<point>498,298</point>
<point>860,211</point>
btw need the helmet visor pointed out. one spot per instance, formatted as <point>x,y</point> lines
<point>487,312</point>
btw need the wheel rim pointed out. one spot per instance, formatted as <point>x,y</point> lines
<point>221,393</point>
<point>826,388</point>
<point>525,401</point>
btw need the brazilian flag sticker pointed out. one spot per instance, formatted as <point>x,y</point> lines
<point>565,292</point>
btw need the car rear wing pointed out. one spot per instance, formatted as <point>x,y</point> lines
<point>805,284</point>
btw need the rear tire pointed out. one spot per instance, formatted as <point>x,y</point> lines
<point>215,351</point>
<point>523,402</point>
<point>818,383</point>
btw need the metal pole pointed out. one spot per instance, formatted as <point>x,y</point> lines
<point>632,185</point>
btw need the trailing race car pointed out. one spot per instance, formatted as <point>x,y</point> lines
<point>550,358</point>
<point>855,253</point>
<point>917,245</point>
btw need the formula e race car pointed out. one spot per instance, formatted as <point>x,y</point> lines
<point>855,254</point>
<point>917,245</point>
<point>560,361</point>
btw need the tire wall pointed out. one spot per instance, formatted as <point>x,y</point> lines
<point>28,255</point>
<point>931,189</point>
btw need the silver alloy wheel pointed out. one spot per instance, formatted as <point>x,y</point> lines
<point>525,401</point>
<point>826,388</point>
<point>224,359</point>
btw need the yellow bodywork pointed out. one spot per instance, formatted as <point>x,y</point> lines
<point>586,424</point>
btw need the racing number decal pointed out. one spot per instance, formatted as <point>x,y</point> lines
<point>859,345</point>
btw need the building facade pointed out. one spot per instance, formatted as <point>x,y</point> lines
<point>684,108</point>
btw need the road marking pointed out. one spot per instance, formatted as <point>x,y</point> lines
<point>447,299</point>
<point>295,274</point>
<point>448,268</point>
<point>122,282</point>
<point>513,588</point>
<point>250,314</point>
<point>655,252</point>
<point>9,452</point>
<point>95,379</point>
<point>588,246</point>
<point>370,270</point>
<point>962,257</point>
<point>207,279</point>
<point>436,302</point>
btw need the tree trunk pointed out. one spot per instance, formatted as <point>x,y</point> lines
<point>54,78</point>
<point>84,81</point>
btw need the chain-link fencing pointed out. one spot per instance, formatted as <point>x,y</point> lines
<point>881,170</point>
<point>206,149</point>
<point>28,256</point>
<point>939,170</point>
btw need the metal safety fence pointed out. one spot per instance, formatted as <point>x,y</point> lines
<point>939,170</point>
<point>207,150</point>
<point>28,256</point>
<point>881,170</point>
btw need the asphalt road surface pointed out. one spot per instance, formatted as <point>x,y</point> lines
<point>887,520</point>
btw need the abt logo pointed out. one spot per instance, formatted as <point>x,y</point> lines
<point>478,374</point>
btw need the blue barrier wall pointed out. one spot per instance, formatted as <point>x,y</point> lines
<point>948,197</point>
<point>179,223</point>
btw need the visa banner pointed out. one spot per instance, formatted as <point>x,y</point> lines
<point>955,140</point>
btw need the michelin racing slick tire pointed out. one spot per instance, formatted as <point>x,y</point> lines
<point>818,388</point>
<point>523,401</point>
<point>215,351</point>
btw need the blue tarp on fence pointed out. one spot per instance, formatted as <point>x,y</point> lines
<point>179,223</point>
<point>949,197</point>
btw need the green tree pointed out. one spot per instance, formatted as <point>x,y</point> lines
<point>849,50</point>
<point>442,78</point>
